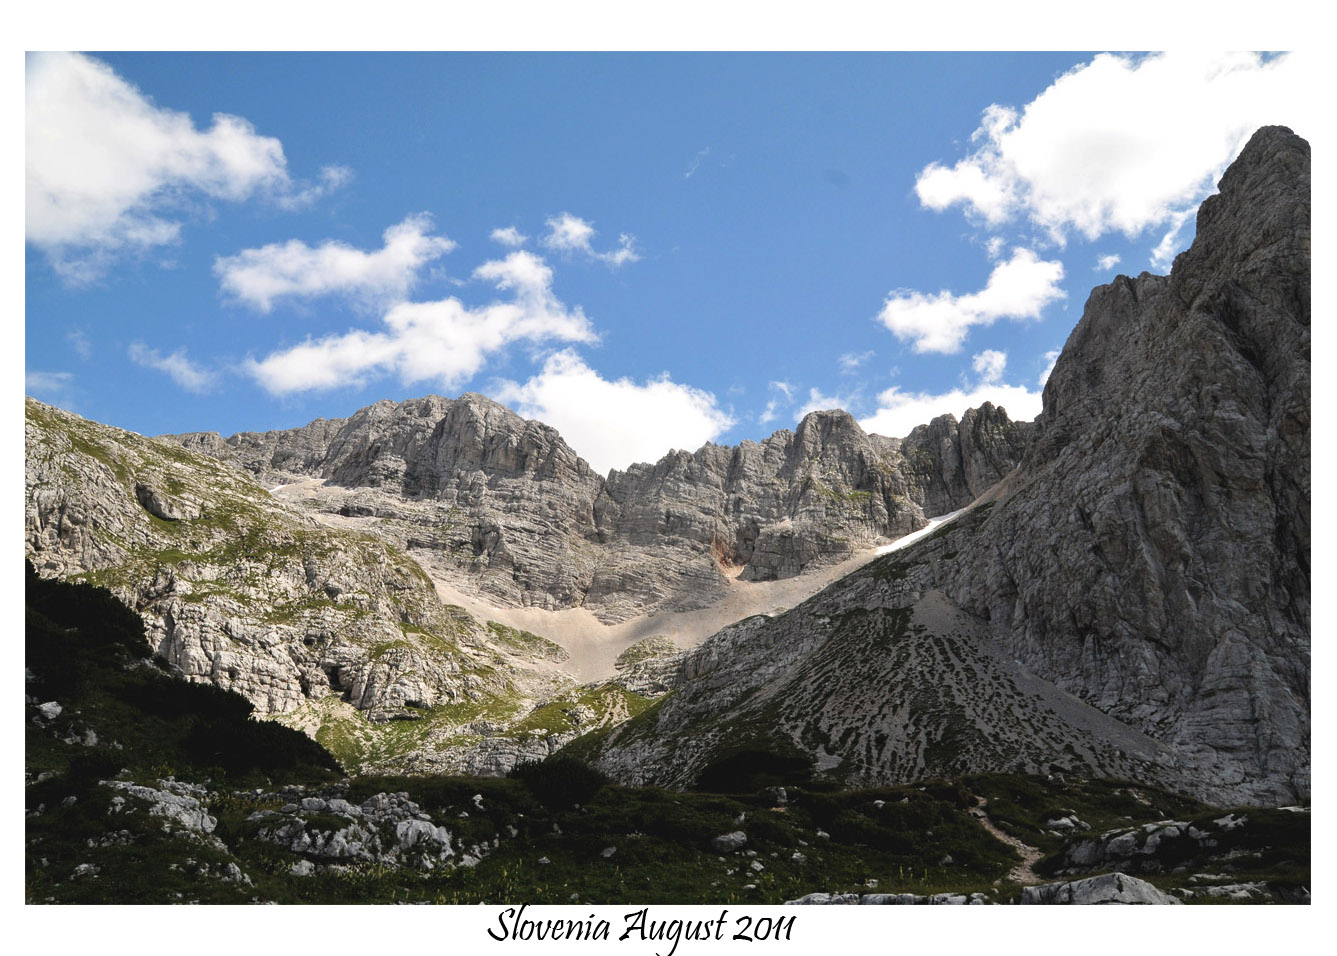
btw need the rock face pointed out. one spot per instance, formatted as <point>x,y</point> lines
<point>876,680</point>
<point>950,464</point>
<point>1152,554</point>
<point>1136,591</point>
<point>501,506</point>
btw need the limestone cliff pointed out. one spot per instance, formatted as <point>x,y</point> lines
<point>1152,555</point>
<point>1133,598</point>
<point>504,508</point>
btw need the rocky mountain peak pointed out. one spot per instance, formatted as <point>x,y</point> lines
<point>1149,557</point>
<point>827,427</point>
<point>1169,478</point>
<point>503,506</point>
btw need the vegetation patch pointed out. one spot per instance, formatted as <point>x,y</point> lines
<point>647,648</point>
<point>526,643</point>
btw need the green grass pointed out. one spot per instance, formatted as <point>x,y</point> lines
<point>557,715</point>
<point>526,643</point>
<point>646,649</point>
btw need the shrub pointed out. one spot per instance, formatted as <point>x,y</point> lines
<point>747,771</point>
<point>559,782</point>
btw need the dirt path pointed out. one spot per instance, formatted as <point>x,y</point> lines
<point>1022,872</point>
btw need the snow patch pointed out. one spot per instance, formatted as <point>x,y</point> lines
<point>912,537</point>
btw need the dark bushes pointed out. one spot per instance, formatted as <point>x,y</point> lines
<point>560,781</point>
<point>747,771</point>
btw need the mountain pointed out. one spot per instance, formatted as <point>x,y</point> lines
<point>1133,599</point>
<point>503,508</point>
<point>313,603</point>
<point>1126,593</point>
<point>336,631</point>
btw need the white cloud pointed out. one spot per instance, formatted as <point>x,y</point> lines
<point>899,412</point>
<point>1051,358</point>
<point>568,233</point>
<point>443,341</point>
<point>301,196</point>
<point>295,270</point>
<point>1017,289</point>
<point>79,341</point>
<point>695,164</point>
<point>1123,143</point>
<point>989,365</point>
<point>818,402</point>
<point>1163,256</point>
<point>1106,263</point>
<point>850,361</point>
<point>510,236</point>
<point>613,424</point>
<point>994,247</point>
<point>53,386</point>
<point>108,172</point>
<point>784,395</point>
<point>187,374</point>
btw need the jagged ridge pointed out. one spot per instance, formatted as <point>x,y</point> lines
<point>501,506</point>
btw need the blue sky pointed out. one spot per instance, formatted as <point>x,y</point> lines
<point>646,251</point>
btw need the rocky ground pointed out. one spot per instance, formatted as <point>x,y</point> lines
<point>143,787</point>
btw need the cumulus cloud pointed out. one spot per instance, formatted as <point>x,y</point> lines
<point>571,234</point>
<point>1123,143</point>
<point>444,341</point>
<point>899,412</point>
<point>1019,288</point>
<point>189,375</point>
<point>613,424</point>
<point>1163,256</point>
<point>295,270</point>
<point>509,236</point>
<point>301,196</point>
<point>108,172</point>
<point>1106,263</point>
<point>989,365</point>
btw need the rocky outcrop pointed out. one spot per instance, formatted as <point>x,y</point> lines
<point>1109,888</point>
<point>949,465</point>
<point>502,507</point>
<point>1141,579</point>
<point>1220,842</point>
<point>387,829</point>
<point>889,899</point>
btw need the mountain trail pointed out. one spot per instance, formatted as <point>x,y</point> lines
<point>1022,873</point>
